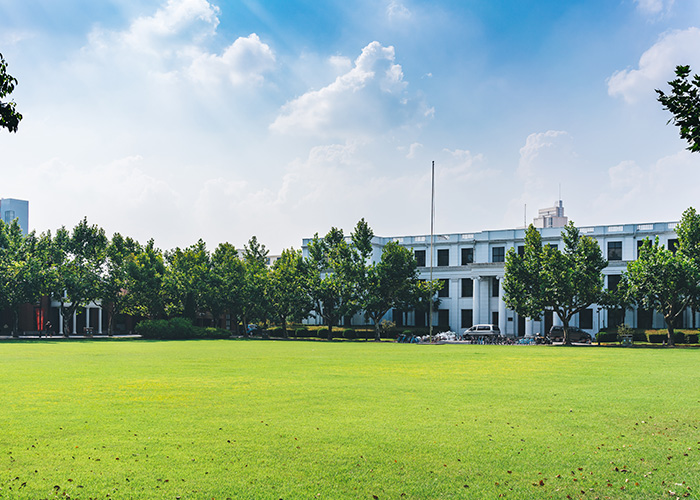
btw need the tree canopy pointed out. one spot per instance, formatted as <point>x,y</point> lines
<point>684,104</point>
<point>9,117</point>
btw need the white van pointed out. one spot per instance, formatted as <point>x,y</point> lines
<point>479,330</point>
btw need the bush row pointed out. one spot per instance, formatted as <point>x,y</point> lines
<point>176,329</point>
<point>651,336</point>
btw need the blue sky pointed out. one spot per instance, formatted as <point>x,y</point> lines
<point>188,119</point>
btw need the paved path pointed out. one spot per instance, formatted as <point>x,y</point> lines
<point>35,336</point>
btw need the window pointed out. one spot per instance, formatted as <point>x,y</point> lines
<point>585,319</point>
<point>494,318</point>
<point>444,317</point>
<point>467,318</point>
<point>443,256</point>
<point>467,287</point>
<point>614,250</point>
<point>467,256</point>
<point>420,257</point>
<point>494,287</point>
<point>640,244</point>
<point>420,318</point>
<point>9,216</point>
<point>553,246</point>
<point>673,245</point>
<point>498,254</point>
<point>613,281</point>
<point>521,250</point>
<point>445,290</point>
<point>397,316</point>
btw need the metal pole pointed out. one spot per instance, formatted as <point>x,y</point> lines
<point>432,224</point>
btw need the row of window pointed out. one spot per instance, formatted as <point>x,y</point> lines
<point>498,254</point>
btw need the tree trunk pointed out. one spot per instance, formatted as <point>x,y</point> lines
<point>669,326</point>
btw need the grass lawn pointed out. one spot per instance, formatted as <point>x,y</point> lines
<point>294,420</point>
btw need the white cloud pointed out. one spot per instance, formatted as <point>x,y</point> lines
<point>542,153</point>
<point>397,11</point>
<point>366,100</point>
<point>656,66</point>
<point>413,149</point>
<point>245,61</point>
<point>174,42</point>
<point>653,7</point>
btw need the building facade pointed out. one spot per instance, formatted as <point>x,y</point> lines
<point>471,268</point>
<point>11,209</point>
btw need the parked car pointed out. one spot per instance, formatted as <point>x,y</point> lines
<point>478,330</point>
<point>556,334</point>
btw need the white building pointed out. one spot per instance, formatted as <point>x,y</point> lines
<point>471,267</point>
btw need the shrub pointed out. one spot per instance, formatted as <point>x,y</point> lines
<point>349,334</point>
<point>172,329</point>
<point>301,333</point>
<point>322,333</point>
<point>212,333</point>
<point>657,338</point>
<point>691,338</point>
<point>606,337</point>
<point>275,331</point>
<point>639,336</point>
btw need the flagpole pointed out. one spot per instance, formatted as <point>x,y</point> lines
<point>432,224</point>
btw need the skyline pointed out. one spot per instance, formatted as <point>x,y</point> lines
<point>188,119</point>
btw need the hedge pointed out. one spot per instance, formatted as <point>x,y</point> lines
<point>176,329</point>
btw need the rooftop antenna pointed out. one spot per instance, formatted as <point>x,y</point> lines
<point>432,224</point>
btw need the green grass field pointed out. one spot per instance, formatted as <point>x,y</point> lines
<point>294,420</point>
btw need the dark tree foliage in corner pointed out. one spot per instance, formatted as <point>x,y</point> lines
<point>684,104</point>
<point>9,117</point>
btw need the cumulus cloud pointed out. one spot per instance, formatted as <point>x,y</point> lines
<point>370,98</point>
<point>656,66</point>
<point>173,43</point>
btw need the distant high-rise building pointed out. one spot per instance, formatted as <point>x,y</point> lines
<point>11,209</point>
<point>551,217</point>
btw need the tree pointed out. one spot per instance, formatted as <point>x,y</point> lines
<point>565,282</point>
<point>146,274</point>
<point>116,282</point>
<point>187,280</point>
<point>332,277</point>
<point>663,281</point>
<point>288,289</point>
<point>9,117</point>
<point>227,282</point>
<point>21,269</point>
<point>684,104</point>
<point>255,284</point>
<point>78,258</point>
<point>390,283</point>
<point>688,230</point>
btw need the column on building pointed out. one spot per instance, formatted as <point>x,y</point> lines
<point>476,284</point>
<point>502,319</point>
<point>87,317</point>
<point>60,321</point>
<point>75,322</point>
<point>556,320</point>
<point>529,327</point>
<point>99,320</point>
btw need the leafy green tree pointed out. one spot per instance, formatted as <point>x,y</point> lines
<point>9,117</point>
<point>565,282</point>
<point>523,284</point>
<point>146,277</point>
<point>688,230</point>
<point>227,281</point>
<point>256,304</point>
<point>288,289</point>
<point>390,283</point>
<point>684,104</point>
<point>333,277</point>
<point>78,257</point>
<point>116,282</point>
<point>187,280</point>
<point>22,270</point>
<point>663,281</point>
